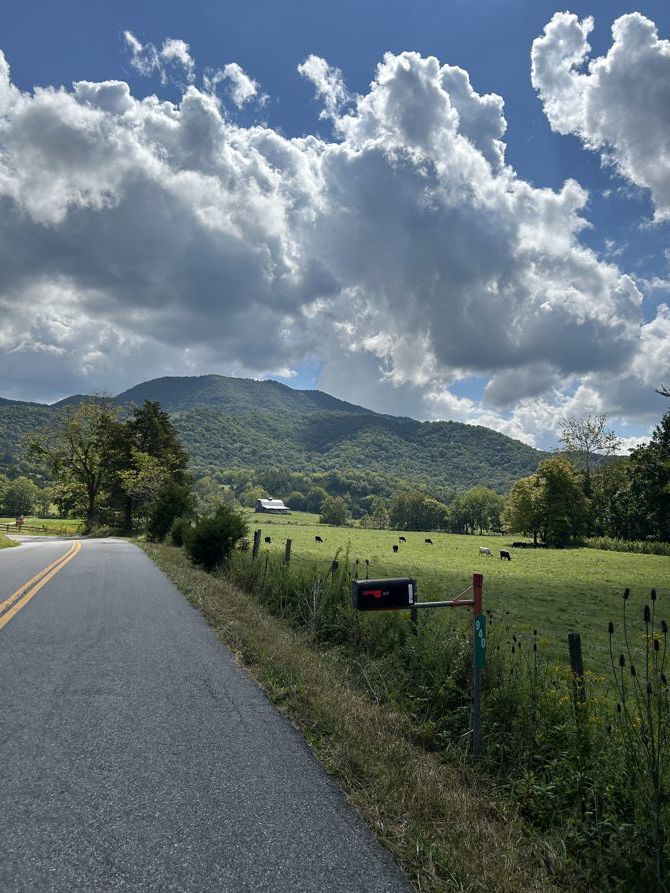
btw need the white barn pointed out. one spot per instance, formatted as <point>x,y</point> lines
<point>272,507</point>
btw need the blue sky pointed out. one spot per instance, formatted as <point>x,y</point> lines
<point>48,44</point>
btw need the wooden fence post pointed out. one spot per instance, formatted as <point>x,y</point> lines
<point>577,666</point>
<point>287,552</point>
<point>257,544</point>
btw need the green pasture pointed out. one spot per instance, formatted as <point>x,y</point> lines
<point>553,591</point>
<point>6,543</point>
<point>47,526</point>
<point>260,519</point>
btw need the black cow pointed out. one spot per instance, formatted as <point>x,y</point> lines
<point>395,548</point>
<point>505,554</point>
<point>317,539</point>
<point>428,542</point>
<point>267,539</point>
<point>402,539</point>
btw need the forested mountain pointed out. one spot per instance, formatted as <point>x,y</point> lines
<point>241,423</point>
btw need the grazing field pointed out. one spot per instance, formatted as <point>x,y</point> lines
<point>6,543</point>
<point>47,526</point>
<point>555,591</point>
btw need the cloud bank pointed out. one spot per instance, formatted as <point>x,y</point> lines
<point>141,237</point>
<point>618,105</point>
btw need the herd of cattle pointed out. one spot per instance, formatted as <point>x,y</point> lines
<point>505,554</point>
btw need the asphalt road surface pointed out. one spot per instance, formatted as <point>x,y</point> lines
<point>136,755</point>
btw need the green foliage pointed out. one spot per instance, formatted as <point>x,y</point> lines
<point>212,539</point>
<point>171,502</point>
<point>565,511</point>
<point>20,497</point>
<point>180,530</point>
<point>477,509</point>
<point>550,502</point>
<point>108,468</point>
<point>563,762</point>
<point>76,453</point>
<point>413,510</point>
<point>334,511</point>
<point>641,547</point>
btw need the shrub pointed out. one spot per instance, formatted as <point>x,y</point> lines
<point>211,541</point>
<point>173,501</point>
<point>180,531</point>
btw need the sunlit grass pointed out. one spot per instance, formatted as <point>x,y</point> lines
<point>555,591</point>
<point>46,526</point>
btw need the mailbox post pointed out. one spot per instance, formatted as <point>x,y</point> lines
<point>400,593</point>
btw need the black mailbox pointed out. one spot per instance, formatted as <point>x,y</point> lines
<point>384,595</point>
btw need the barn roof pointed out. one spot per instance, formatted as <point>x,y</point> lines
<point>272,503</point>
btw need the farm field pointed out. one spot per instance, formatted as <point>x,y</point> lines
<point>555,591</point>
<point>46,526</point>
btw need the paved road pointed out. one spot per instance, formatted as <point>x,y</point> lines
<point>136,755</point>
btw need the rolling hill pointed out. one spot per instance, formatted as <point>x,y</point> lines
<point>241,423</point>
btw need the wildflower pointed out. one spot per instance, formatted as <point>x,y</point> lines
<point>626,594</point>
<point>664,627</point>
<point>610,628</point>
<point>647,614</point>
<point>653,595</point>
<point>633,671</point>
<point>664,679</point>
<point>534,646</point>
<point>618,708</point>
<point>657,645</point>
<point>648,688</point>
<point>534,632</point>
<point>622,660</point>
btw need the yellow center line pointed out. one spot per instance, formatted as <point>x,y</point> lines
<point>19,592</point>
<point>25,593</point>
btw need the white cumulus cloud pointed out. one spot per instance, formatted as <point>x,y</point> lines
<point>617,104</point>
<point>141,237</point>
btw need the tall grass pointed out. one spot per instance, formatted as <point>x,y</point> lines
<point>565,762</point>
<point>640,547</point>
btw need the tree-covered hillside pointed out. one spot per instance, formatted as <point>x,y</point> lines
<point>241,423</point>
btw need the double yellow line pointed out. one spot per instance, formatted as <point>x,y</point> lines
<point>17,600</point>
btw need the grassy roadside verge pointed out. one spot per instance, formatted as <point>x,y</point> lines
<point>6,543</point>
<point>448,832</point>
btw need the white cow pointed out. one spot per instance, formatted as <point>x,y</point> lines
<point>484,550</point>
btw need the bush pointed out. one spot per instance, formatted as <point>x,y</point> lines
<point>180,531</point>
<point>643,547</point>
<point>211,541</point>
<point>173,501</point>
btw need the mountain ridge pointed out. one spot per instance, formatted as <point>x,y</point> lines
<point>228,422</point>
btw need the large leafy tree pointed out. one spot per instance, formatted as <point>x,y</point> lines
<point>477,508</point>
<point>649,484</point>
<point>413,510</point>
<point>524,507</point>
<point>550,503</point>
<point>565,509</point>
<point>334,511</point>
<point>20,497</point>
<point>145,456</point>
<point>76,454</point>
